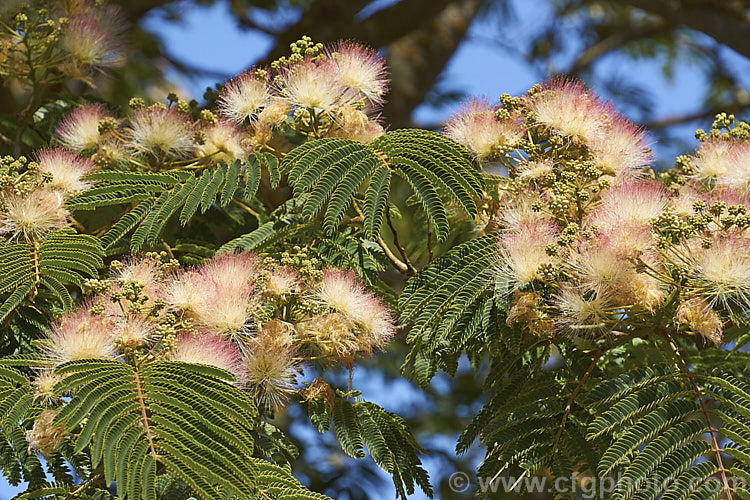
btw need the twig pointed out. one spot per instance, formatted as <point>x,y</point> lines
<point>168,248</point>
<point>23,117</point>
<point>245,207</point>
<point>699,115</point>
<point>410,267</point>
<point>85,484</point>
<point>77,224</point>
<point>429,240</point>
<point>572,398</point>
<point>142,404</point>
<point>397,263</point>
<point>711,430</point>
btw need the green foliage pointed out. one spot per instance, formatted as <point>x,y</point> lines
<point>167,417</point>
<point>364,425</point>
<point>15,400</point>
<point>332,172</point>
<point>454,316</point>
<point>286,227</point>
<point>158,197</point>
<point>658,418</point>
<point>63,258</point>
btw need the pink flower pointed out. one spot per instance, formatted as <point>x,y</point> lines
<point>713,157</point>
<point>223,143</point>
<point>632,205</point>
<point>67,170</point>
<point>79,130</point>
<point>220,295</point>
<point>159,130</point>
<point>209,349</point>
<point>244,97</point>
<point>524,250</point>
<point>89,42</point>
<point>477,127</point>
<point>34,215</point>
<point>621,150</point>
<point>311,85</point>
<point>583,313</point>
<point>283,281</point>
<point>360,70</point>
<point>569,108</point>
<point>343,292</point>
<point>80,335</point>
<point>737,170</point>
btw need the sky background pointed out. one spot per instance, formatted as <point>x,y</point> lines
<point>480,67</point>
<point>210,39</point>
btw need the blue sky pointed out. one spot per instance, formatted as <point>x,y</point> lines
<point>209,38</point>
<point>479,67</point>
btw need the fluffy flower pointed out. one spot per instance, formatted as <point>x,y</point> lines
<point>723,270</point>
<point>621,150</point>
<point>270,366</point>
<point>160,130</point>
<point>583,312</point>
<point>599,267</point>
<point>34,215</point>
<point>647,291</point>
<point>79,130</point>
<point>533,170</point>
<point>132,331</point>
<point>209,349</point>
<point>283,281</point>
<point>44,436</point>
<point>222,144</point>
<point>360,70</point>
<point>519,210</point>
<point>235,271</point>
<point>67,170</point>
<point>523,251</point>
<point>737,173</point>
<point>90,44</point>
<point>220,295</point>
<point>631,205</point>
<point>700,317</point>
<point>333,334</point>
<point>143,270</point>
<point>712,158</point>
<point>44,387</point>
<point>223,312</point>
<point>80,335</point>
<point>244,97</point>
<point>343,292</point>
<point>184,290</point>
<point>354,124</point>
<point>477,127</point>
<point>272,116</point>
<point>570,109</point>
<point>310,85</point>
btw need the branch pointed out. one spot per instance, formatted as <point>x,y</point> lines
<point>727,21</point>
<point>417,60</point>
<point>608,44</point>
<point>331,20</point>
<point>698,115</point>
<point>85,484</point>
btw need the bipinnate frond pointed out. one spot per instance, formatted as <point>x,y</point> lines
<point>336,173</point>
